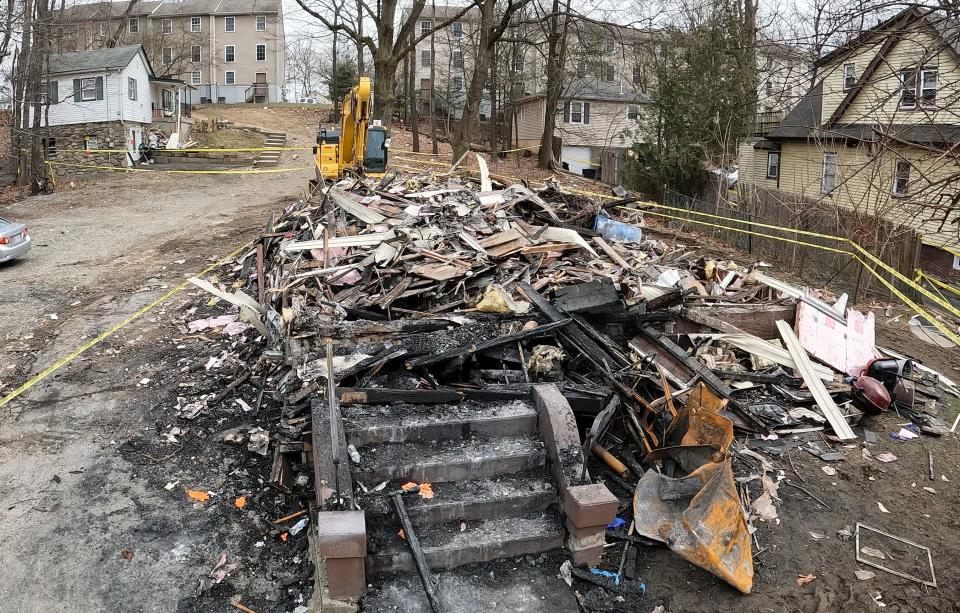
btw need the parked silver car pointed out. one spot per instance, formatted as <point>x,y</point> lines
<point>14,240</point>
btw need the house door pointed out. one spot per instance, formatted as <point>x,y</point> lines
<point>133,146</point>
<point>260,88</point>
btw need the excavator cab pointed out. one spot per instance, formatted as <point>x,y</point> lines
<point>356,148</point>
<point>375,149</point>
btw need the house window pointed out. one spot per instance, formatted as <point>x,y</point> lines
<point>88,89</point>
<point>167,100</point>
<point>901,177</point>
<point>581,70</point>
<point>576,112</point>
<point>458,84</point>
<point>637,74</point>
<point>195,77</point>
<point>53,92</point>
<point>166,26</point>
<point>633,111</point>
<point>908,88</point>
<point>828,181</point>
<point>849,76</point>
<point>769,62</point>
<point>229,24</point>
<point>608,73</point>
<point>133,25</point>
<point>663,50</point>
<point>261,23</point>
<point>261,53</point>
<point>51,148</point>
<point>230,77</point>
<point>928,86</point>
<point>426,27</point>
<point>611,45</point>
<point>195,53</point>
<point>103,28</point>
<point>425,57</point>
<point>789,90</point>
<point>521,113</point>
<point>518,62</point>
<point>91,143</point>
<point>167,55</point>
<point>773,164</point>
<point>458,29</point>
<point>194,24</point>
<point>229,53</point>
<point>131,88</point>
<point>956,262</point>
<point>769,88</point>
<point>458,59</point>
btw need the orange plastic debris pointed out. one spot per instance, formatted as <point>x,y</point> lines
<point>802,580</point>
<point>402,534</point>
<point>240,502</point>
<point>198,495</point>
<point>426,491</point>
<point>284,536</point>
<point>408,487</point>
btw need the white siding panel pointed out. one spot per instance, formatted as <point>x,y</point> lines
<point>136,110</point>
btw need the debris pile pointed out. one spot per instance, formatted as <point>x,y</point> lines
<point>455,288</point>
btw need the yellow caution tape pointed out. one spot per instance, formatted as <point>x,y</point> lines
<point>162,151</point>
<point>114,328</point>
<point>230,171</point>
<point>896,273</point>
<point>943,328</point>
<point>922,276</point>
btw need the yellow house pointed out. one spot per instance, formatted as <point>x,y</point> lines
<point>879,132</point>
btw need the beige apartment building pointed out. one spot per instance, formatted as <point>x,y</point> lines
<point>444,59</point>
<point>228,51</point>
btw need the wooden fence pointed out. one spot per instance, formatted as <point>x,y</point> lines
<point>897,246</point>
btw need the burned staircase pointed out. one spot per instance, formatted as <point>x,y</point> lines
<point>493,495</point>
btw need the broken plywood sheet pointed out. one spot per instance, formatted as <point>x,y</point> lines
<point>438,272</point>
<point>847,348</point>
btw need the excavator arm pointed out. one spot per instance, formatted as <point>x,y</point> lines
<point>357,148</point>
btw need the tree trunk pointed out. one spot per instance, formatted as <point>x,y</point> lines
<point>494,135</point>
<point>471,110</point>
<point>411,85</point>
<point>554,86</point>
<point>433,83</point>
<point>333,68</point>
<point>384,96</point>
<point>360,66</point>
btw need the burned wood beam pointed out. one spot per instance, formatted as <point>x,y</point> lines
<point>508,339</point>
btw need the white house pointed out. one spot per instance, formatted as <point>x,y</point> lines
<point>106,99</point>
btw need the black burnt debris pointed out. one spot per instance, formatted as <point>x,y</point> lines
<point>381,341</point>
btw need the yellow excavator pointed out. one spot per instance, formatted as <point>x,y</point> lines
<point>358,149</point>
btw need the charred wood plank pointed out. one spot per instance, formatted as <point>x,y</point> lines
<point>507,339</point>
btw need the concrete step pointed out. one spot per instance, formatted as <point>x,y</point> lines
<point>371,424</point>
<point>447,546</point>
<point>508,495</point>
<point>276,143</point>
<point>267,163</point>
<point>451,460</point>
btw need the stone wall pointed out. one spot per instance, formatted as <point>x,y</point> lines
<point>70,140</point>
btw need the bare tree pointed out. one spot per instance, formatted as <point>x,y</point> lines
<point>390,46</point>
<point>305,64</point>
<point>492,29</point>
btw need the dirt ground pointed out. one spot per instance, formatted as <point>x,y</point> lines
<point>89,526</point>
<point>81,509</point>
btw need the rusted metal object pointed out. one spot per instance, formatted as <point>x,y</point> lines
<point>699,516</point>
